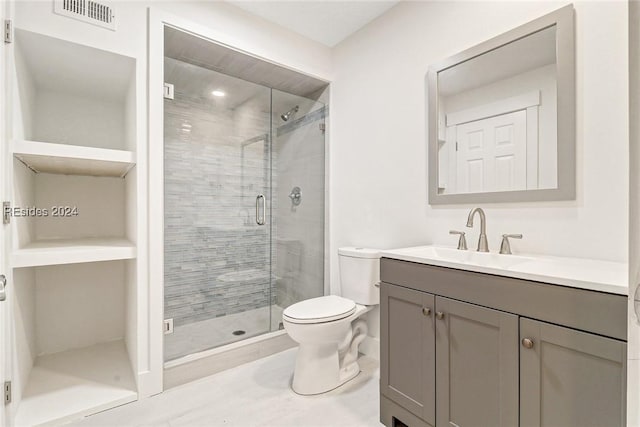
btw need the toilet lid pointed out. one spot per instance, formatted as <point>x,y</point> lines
<point>319,310</point>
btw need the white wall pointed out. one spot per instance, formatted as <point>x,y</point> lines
<point>24,317</point>
<point>79,305</point>
<point>100,201</point>
<point>378,156</point>
<point>378,153</point>
<point>24,195</point>
<point>65,119</point>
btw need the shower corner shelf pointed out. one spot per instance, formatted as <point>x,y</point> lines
<point>72,251</point>
<point>46,157</point>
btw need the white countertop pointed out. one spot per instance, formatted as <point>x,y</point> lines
<point>595,275</point>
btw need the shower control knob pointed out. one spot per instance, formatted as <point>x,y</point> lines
<point>426,311</point>
<point>295,196</point>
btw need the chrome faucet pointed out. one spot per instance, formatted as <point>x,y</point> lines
<point>482,241</point>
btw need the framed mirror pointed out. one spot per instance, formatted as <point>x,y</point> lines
<point>502,117</point>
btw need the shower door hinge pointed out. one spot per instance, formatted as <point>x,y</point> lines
<point>6,212</point>
<point>168,91</point>
<point>168,326</point>
<point>7,392</point>
<point>8,31</point>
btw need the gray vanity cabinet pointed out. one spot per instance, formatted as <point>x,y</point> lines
<point>476,365</point>
<point>473,349</point>
<point>460,348</point>
<point>407,346</point>
<point>570,378</point>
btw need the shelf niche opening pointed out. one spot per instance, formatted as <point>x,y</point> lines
<point>75,341</point>
<point>73,94</point>
<point>101,228</point>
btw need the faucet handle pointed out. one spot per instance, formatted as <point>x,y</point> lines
<point>462,241</point>
<point>505,246</point>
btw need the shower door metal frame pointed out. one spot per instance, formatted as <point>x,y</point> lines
<point>153,364</point>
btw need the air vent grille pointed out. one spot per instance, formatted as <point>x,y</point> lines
<point>93,12</point>
<point>99,11</point>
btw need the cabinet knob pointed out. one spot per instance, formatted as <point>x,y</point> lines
<point>527,343</point>
<point>440,315</point>
<point>426,311</point>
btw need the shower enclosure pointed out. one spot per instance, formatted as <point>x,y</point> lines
<point>244,201</point>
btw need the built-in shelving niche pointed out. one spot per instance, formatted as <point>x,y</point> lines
<point>74,145</point>
<point>73,340</point>
<point>96,228</point>
<point>73,94</point>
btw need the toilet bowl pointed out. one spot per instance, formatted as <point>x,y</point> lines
<point>329,329</point>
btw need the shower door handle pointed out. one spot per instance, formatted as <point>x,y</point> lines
<point>3,287</point>
<point>260,220</point>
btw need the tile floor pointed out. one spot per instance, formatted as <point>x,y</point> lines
<point>210,333</point>
<point>255,394</point>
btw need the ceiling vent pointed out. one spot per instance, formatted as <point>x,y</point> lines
<point>93,12</point>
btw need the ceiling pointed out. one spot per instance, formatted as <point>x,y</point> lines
<point>327,22</point>
<point>199,51</point>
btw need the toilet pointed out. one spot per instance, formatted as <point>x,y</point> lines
<point>329,329</point>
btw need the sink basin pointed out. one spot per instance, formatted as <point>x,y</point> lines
<point>482,259</point>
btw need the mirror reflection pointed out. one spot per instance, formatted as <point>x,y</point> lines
<point>497,119</point>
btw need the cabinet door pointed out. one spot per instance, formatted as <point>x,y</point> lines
<point>407,354</point>
<point>476,364</point>
<point>570,378</point>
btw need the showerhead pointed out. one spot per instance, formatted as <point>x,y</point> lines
<point>286,116</point>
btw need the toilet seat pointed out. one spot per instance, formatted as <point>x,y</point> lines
<point>320,310</point>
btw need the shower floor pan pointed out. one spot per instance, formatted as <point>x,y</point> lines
<point>210,333</point>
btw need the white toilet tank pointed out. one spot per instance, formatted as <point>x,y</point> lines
<point>360,275</point>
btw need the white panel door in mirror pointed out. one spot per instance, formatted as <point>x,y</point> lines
<point>489,154</point>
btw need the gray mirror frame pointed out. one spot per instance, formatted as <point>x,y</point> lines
<point>563,19</point>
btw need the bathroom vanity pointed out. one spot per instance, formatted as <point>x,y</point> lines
<point>500,340</point>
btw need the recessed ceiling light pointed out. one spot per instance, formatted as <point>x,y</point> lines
<point>218,93</point>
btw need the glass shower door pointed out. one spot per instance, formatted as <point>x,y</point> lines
<point>217,264</point>
<point>298,182</point>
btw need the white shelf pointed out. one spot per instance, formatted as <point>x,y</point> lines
<point>76,383</point>
<point>73,159</point>
<point>54,252</point>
